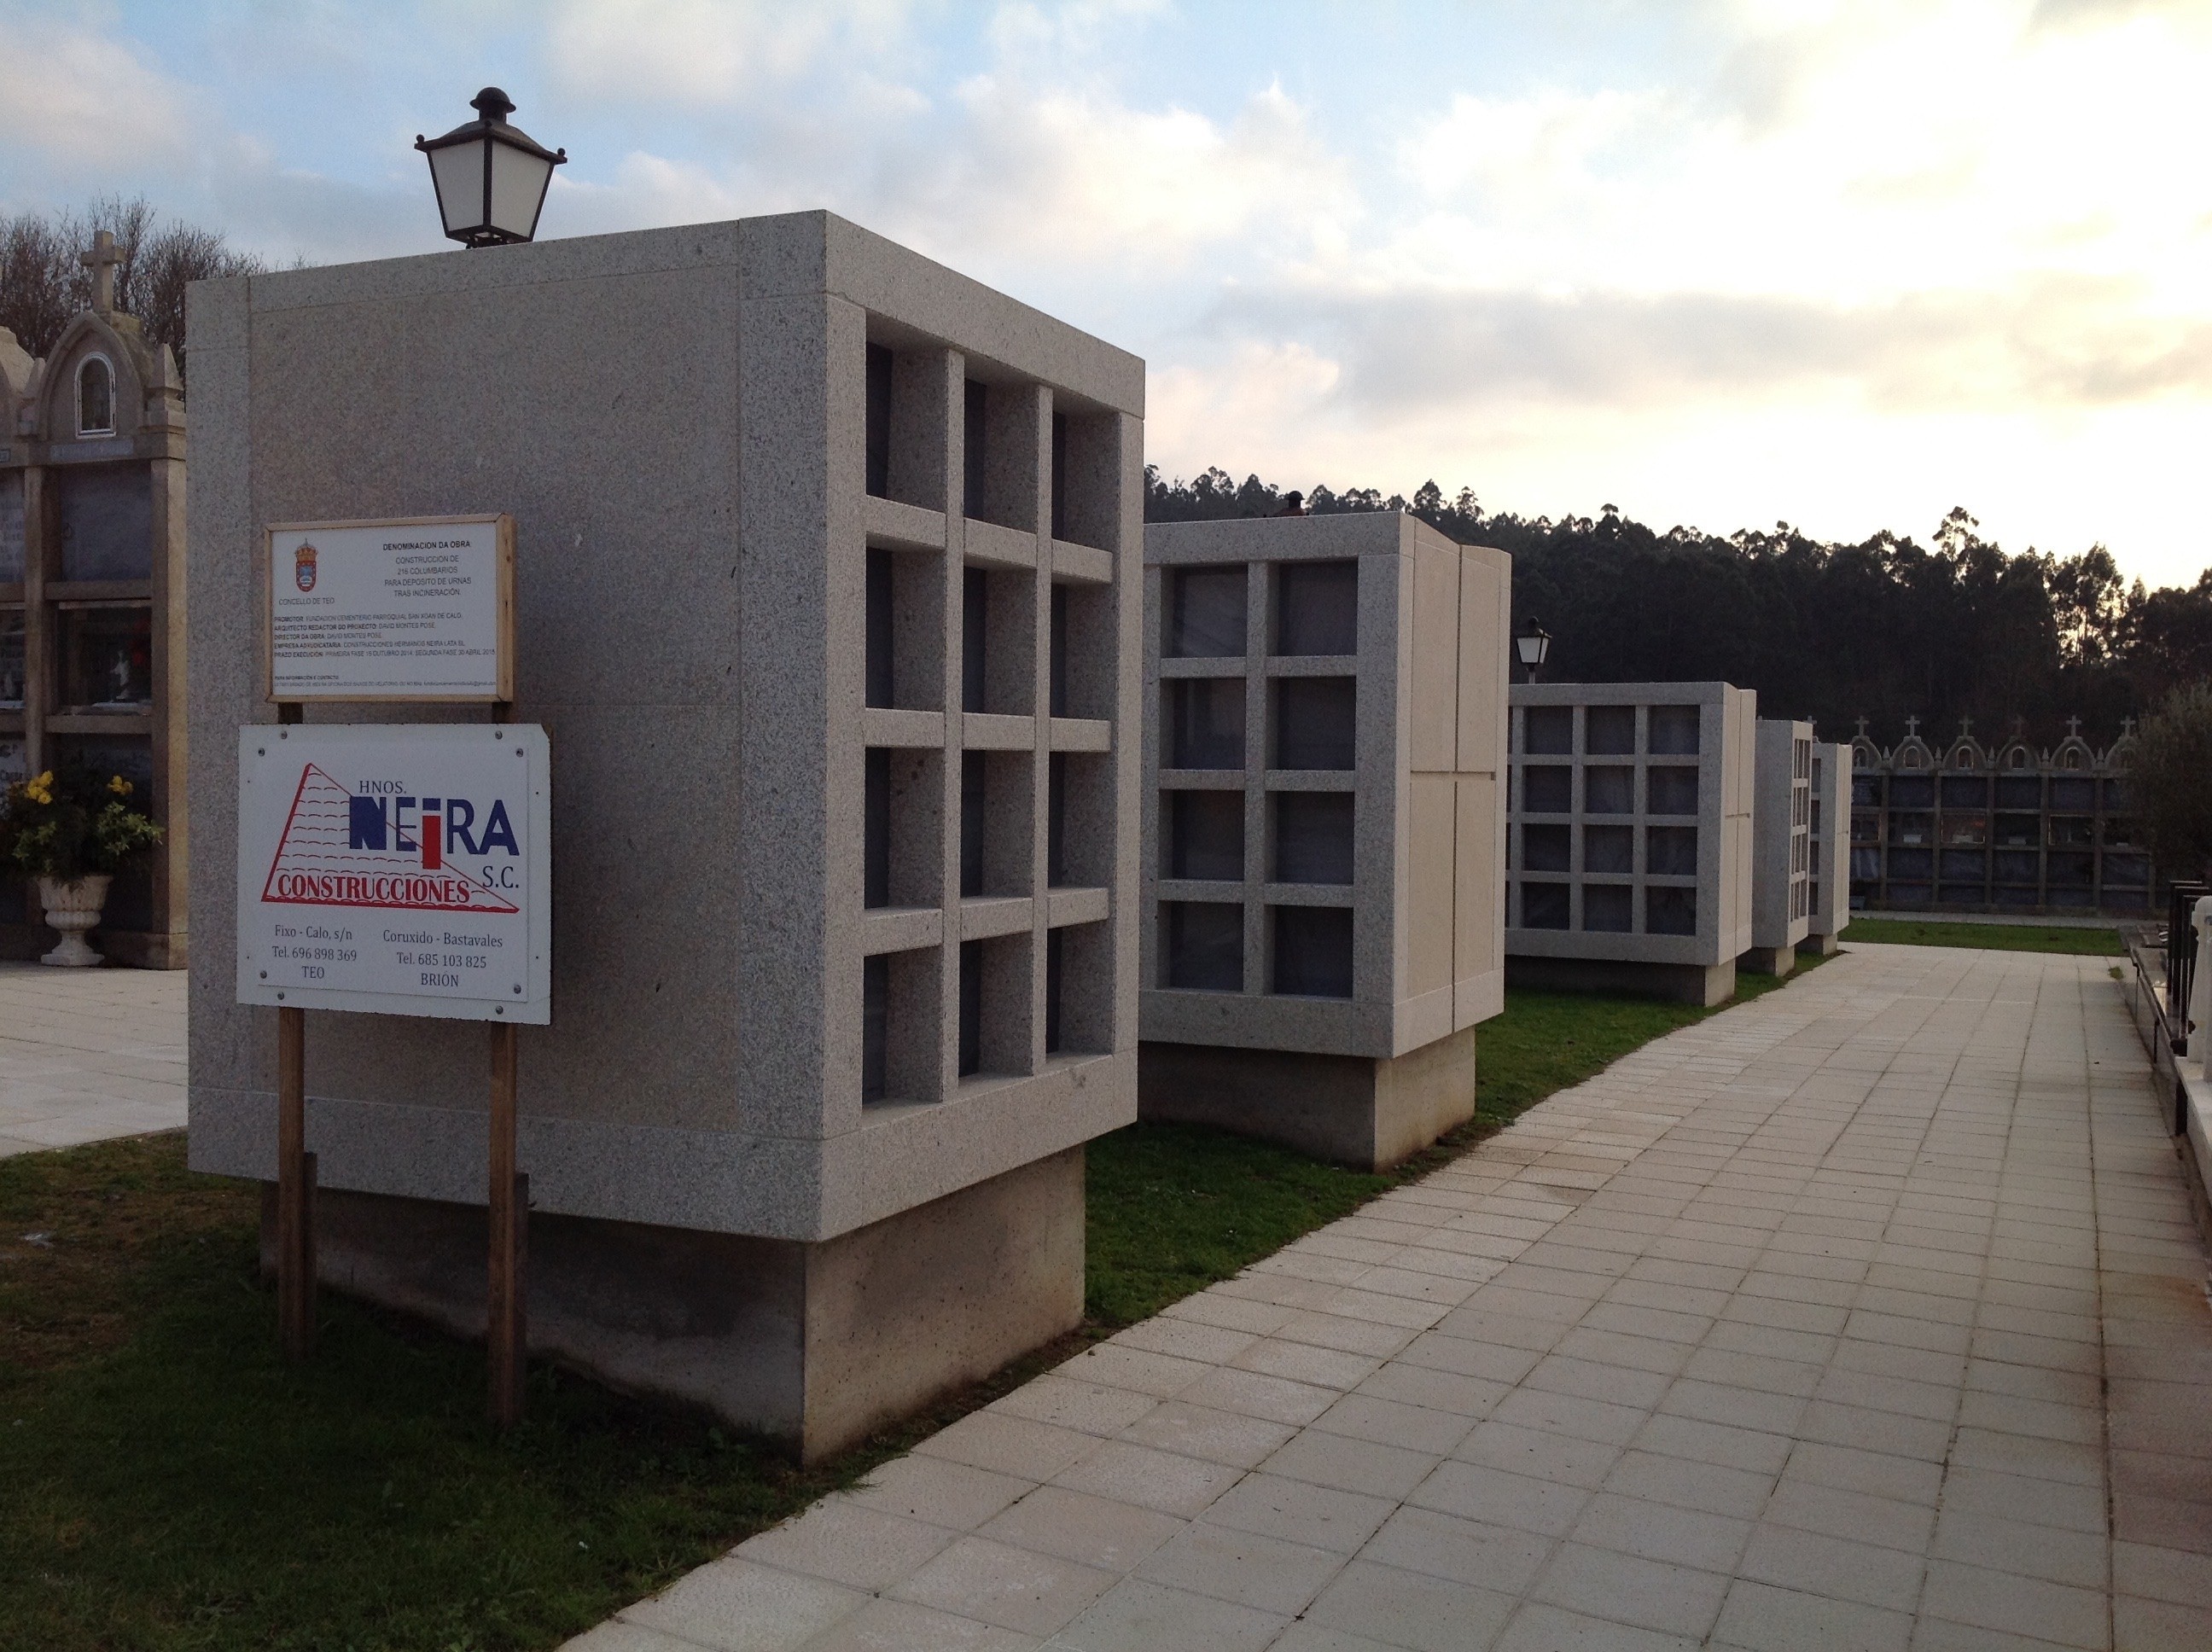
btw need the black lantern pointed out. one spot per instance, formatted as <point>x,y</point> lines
<point>1533,644</point>
<point>491,179</point>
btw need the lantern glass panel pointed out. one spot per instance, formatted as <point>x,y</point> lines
<point>458,171</point>
<point>518,180</point>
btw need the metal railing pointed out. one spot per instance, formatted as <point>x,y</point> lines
<point>2181,956</point>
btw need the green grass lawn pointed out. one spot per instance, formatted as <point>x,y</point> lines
<point>167,1482</point>
<point>1998,938</point>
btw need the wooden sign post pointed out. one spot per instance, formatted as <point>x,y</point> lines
<point>337,823</point>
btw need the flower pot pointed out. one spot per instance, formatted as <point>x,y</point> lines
<point>72,908</point>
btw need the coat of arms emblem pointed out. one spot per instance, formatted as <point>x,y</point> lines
<point>303,568</point>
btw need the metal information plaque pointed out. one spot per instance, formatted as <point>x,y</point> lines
<point>396,869</point>
<point>422,608</point>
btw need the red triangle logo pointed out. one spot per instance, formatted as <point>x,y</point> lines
<point>317,863</point>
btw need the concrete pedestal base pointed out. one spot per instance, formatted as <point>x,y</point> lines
<point>1819,946</point>
<point>818,1345</point>
<point>1681,983</point>
<point>1769,960</point>
<point>1352,1109</point>
<point>133,948</point>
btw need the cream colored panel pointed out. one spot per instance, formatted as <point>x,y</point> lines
<point>1478,939</point>
<point>1429,922</point>
<point>1435,656</point>
<point>1486,618</point>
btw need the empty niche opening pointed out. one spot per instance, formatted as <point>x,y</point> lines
<point>1672,789</point>
<point>1206,721</point>
<point>1313,951</point>
<point>1608,909</point>
<point>1609,849</point>
<point>1669,910</point>
<point>998,625</point>
<point>1086,479</point>
<point>898,1026</point>
<point>994,1007</point>
<point>1611,790</point>
<point>1082,678</point>
<point>1079,819</point>
<point>905,631</point>
<point>995,816</point>
<point>975,444</point>
<point>1079,989</point>
<point>1206,616</point>
<point>1548,731</point>
<point>1206,834</point>
<point>1547,789</point>
<point>1545,906</point>
<point>1546,848</point>
<point>900,811</point>
<point>1675,731</point>
<point>879,420</point>
<point>1000,455</point>
<point>1609,731</point>
<point>1671,851</point>
<point>1315,721</point>
<point>1313,837</point>
<point>1203,944</point>
<point>904,427</point>
<point>1317,608</point>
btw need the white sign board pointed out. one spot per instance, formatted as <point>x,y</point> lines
<point>396,869</point>
<point>420,610</point>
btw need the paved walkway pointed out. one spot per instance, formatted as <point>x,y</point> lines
<point>89,1053</point>
<point>1869,1315</point>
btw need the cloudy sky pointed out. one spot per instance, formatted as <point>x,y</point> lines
<point>1846,263</point>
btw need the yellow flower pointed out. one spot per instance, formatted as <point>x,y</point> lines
<point>121,788</point>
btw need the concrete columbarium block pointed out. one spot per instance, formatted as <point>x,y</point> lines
<point>1323,848</point>
<point>1782,846</point>
<point>1629,837</point>
<point>828,596</point>
<point>92,601</point>
<point>1829,909</point>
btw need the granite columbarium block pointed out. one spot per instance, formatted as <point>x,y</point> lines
<point>1829,910</point>
<point>828,593</point>
<point>1324,833</point>
<point>1630,837</point>
<point>1782,840</point>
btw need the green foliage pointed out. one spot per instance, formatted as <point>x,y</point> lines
<point>2171,775</point>
<point>1885,629</point>
<point>1995,938</point>
<point>72,823</point>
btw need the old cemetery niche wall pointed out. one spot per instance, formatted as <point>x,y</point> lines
<point>1324,836</point>
<point>827,595</point>
<point>2011,828</point>
<point>1629,836</point>
<point>92,643</point>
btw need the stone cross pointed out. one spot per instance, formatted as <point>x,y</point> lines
<point>101,261</point>
<point>1912,726</point>
<point>2073,727</point>
<point>2127,727</point>
<point>1965,726</point>
<point>1862,728</point>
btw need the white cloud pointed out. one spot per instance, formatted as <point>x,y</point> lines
<point>86,100</point>
<point>709,52</point>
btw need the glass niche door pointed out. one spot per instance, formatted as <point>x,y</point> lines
<point>104,658</point>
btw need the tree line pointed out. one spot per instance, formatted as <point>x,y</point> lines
<point>43,281</point>
<point>1885,628</point>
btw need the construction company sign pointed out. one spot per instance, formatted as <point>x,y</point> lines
<point>396,869</point>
